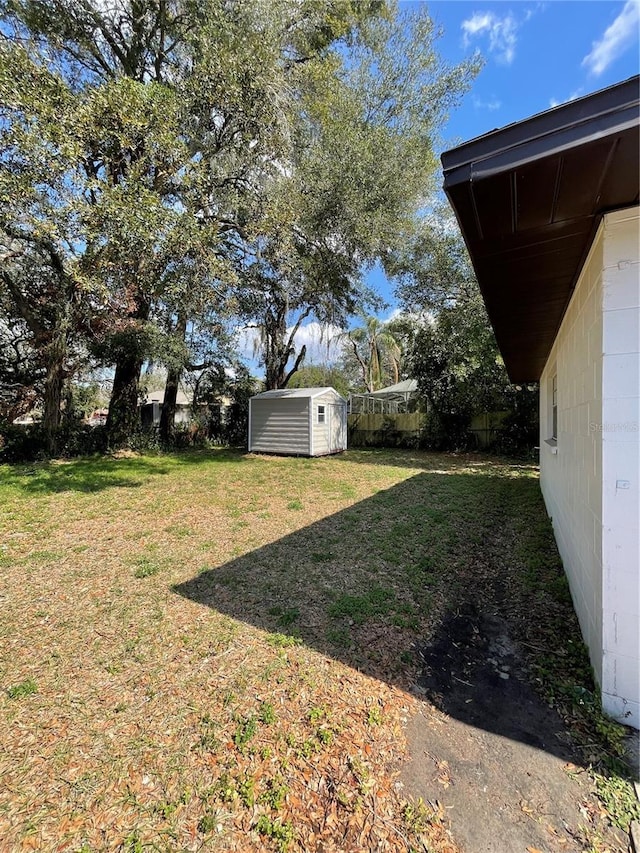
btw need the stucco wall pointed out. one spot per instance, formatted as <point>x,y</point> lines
<point>590,480</point>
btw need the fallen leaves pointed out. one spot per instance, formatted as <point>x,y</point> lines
<point>135,722</point>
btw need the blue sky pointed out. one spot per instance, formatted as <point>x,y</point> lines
<point>536,55</point>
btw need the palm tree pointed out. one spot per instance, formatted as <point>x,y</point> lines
<point>377,351</point>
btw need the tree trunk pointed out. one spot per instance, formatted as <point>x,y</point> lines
<point>279,347</point>
<point>275,329</point>
<point>123,419</point>
<point>53,390</point>
<point>168,415</point>
<point>56,354</point>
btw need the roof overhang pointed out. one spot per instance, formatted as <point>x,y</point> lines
<point>529,199</point>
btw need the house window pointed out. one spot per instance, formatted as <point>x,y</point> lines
<point>554,407</point>
<point>321,414</point>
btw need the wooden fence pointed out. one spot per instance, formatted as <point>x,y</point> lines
<point>376,430</point>
<point>392,430</point>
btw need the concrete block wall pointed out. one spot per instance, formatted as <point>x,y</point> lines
<point>620,428</point>
<point>591,480</point>
<point>571,472</point>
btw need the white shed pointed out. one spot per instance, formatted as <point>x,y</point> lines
<point>298,421</point>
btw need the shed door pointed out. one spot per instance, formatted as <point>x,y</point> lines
<point>337,427</point>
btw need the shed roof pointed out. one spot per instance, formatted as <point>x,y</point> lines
<point>529,199</point>
<point>282,393</point>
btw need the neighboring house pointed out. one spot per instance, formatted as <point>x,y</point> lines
<point>549,211</point>
<point>151,408</point>
<point>98,417</point>
<point>298,421</point>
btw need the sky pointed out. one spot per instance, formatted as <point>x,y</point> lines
<point>537,55</point>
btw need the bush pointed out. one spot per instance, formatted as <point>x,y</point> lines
<point>518,434</point>
<point>30,443</point>
<point>22,443</point>
<point>193,434</point>
<point>450,432</point>
<point>230,428</point>
<point>78,439</point>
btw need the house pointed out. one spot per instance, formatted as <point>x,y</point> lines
<point>298,421</point>
<point>549,211</point>
<point>151,408</point>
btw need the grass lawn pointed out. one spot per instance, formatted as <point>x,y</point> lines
<point>213,651</point>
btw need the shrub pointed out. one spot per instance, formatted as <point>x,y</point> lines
<point>30,443</point>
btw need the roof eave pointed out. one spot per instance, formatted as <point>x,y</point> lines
<point>504,189</point>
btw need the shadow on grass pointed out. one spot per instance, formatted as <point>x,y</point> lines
<point>375,585</point>
<point>423,459</point>
<point>95,474</point>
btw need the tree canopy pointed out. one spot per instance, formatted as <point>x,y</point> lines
<point>453,353</point>
<point>169,170</point>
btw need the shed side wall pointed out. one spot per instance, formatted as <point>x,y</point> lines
<point>280,425</point>
<point>321,440</point>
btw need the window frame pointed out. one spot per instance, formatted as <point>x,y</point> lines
<point>321,414</point>
<point>551,386</point>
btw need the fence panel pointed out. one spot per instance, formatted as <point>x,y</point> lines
<point>371,430</point>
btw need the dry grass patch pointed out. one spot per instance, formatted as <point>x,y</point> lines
<point>214,651</point>
<point>177,671</point>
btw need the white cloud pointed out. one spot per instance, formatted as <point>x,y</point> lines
<point>248,342</point>
<point>501,32</point>
<point>555,103</point>
<point>321,343</point>
<point>619,36</point>
<point>396,314</point>
<point>320,340</point>
<point>492,105</point>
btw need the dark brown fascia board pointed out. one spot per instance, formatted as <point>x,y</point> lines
<point>600,114</point>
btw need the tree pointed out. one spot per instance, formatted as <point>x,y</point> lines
<point>321,376</point>
<point>133,136</point>
<point>376,348</point>
<point>360,169</point>
<point>179,162</point>
<point>458,368</point>
<point>454,355</point>
<point>40,318</point>
<point>433,269</point>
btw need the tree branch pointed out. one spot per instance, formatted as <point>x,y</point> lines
<point>296,366</point>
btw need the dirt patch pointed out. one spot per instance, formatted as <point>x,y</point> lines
<point>492,753</point>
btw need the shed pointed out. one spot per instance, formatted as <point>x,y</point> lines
<point>298,422</point>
